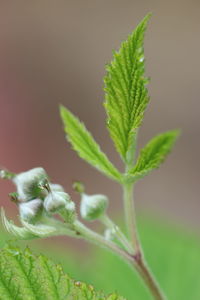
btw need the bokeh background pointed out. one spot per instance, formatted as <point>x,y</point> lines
<point>54,52</point>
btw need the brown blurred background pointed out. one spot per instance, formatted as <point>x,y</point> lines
<point>54,52</point>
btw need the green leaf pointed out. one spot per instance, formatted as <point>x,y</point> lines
<point>126,93</point>
<point>154,153</point>
<point>86,147</point>
<point>25,276</point>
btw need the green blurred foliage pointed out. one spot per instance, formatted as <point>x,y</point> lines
<point>24,275</point>
<point>174,256</point>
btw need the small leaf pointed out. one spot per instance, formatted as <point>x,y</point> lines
<point>16,231</point>
<point>154,153</point>
<point>38,230</point>
<point>126,93</point>
<point>84,144</point>
<point>26,276</point>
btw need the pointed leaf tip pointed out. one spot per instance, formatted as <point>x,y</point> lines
<point>125,90</point>
<point>154,153</point>
<point>85,145</point>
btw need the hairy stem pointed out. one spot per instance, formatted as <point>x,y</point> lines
<point>136,261</point>
<point>130,216</point>
<point>99,240</point>
<point>148,278</point>
<point>138,257</point>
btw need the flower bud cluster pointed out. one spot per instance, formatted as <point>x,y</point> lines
<point>37,197</point>
<point>38,200</point>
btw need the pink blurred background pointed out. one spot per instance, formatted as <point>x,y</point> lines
<point>54,52</point>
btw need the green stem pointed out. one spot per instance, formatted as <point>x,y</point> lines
<point>139,260</point>
<point>117,232</point>
<point>136,261</point>
<point>130,216</point>
<point>148,278</point>
<point>99,240</point>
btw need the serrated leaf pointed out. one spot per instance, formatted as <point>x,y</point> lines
<point>154,153</point>
<point>86,147</point>
<point>26,276</point>
<point>126,93</point>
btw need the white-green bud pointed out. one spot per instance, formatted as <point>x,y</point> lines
<point>29,183</point>
<point>56,187</point>
<point>93,206</point>
<point>5,174</point>
<point>109,234</point>
<point>69,212</point>
<point>55,201</point>
<point>60,202</point>
<point>31,210</point>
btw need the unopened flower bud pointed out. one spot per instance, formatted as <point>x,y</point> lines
<point>109,234</point>
<point>93,207</point>
<point>56,201</point>
<point>60,202</point>
<point>69,212</point>
<point>5,174</point>
<point>31,210</point>
<point>29,183</point>
<point>78,186</point>
<point>56,187</point>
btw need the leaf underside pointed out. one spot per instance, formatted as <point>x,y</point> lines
<point>125,90</point>
<point>25,276</point>
<point>154,153</point>
<point>86,147</point>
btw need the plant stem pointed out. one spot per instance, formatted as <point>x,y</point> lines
<point>138,257</point>
<point>137,260</point>
<point>148,278</point>
<point>99,240</point>
<point>130,216</point>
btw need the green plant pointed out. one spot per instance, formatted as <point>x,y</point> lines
<point>36,277</point>
<point>39,200</point>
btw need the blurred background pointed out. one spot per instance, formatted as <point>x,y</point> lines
<point>54,52</point>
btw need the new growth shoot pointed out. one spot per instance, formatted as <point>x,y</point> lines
<point>39,200</point>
